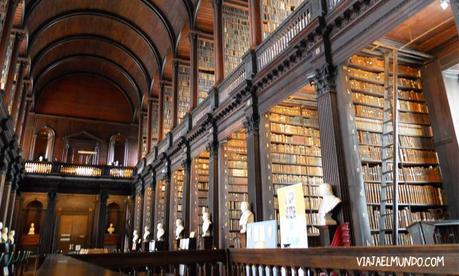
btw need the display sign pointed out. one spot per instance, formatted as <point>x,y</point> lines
<point>262,234</point>
<point>292,216</point>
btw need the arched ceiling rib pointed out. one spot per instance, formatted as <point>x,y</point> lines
<point>90,63</point>
<point>126,41</point>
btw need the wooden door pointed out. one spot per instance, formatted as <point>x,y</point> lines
<point>73,229</point>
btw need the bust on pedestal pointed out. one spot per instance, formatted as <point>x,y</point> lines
<point>11,237</point>
<point>160,243</point>
<point>111,229</point>
<point>206,228</point>
<point>179,228</point>
<point>246,217</point>
<point>31,229</point>
<point>135,240</point>
<point>5,234</point>
<point>328,203</point>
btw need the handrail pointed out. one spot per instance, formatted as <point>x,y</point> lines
<point>332,4</point>
<point>432,259</point>
<point>64,169</point>
<point>279,40</point>
<point>234,79</point>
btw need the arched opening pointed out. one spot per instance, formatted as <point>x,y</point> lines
<point>44,144</point>
<point>117,151</point>
<point>32,218</point>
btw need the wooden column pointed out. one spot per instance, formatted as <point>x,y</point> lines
<point>9,95</point>
<point>455,9</point>
<point>150,106</point>
<point>149,210</point>
<point>161,113</point>
<point>167,203</point>
<point>255,23</point>
<point>218,41</point>
<point>102,221</point>
<point>23,121</point>
<point>20,93</point>
<point>47,230</point>
<point>186,200</point>
<point>214,189</point>
<point>9,219</point>
<point>140,134</point>
<point>194,73</point>
<point>6,201</point>
<point>175,70</point>
<point>8,24</point>
<point>252,126</point>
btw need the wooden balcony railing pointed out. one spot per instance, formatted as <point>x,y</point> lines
<point>333,3</point>
<point>63,169</point>
<point>419,260</point>
<point>279,40</point>
<point>234,79</point>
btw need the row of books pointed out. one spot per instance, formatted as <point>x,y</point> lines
<point>371,153</point>
<point>201,185</point>
<point>366,87</point>
<point>296,159</point>
<point>184,95</point>
<point>167,104</point>
<point>419,174</point>
<point>368,75</point>
<point>236,164</point>
<point>294,111</point>
<point>404,239</point>
<point>293,179</point>
<point>234,153</point>
<point>414,118</point>
<point>406,217</point>
<point>295,149</point>
<point>413,106</point>
<point>411,95</point>
<point>205,54</point>
<point>296,120</point>
<point>295,169</point>
<point>404,129</point>
<point>408,194</point>
<point>294,130</point>
<point>205,83</point>
<point>378,64</point>
<point>295,139</point>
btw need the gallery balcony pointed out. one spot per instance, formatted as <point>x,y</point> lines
<point>63,177</point>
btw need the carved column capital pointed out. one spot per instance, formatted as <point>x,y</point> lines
<point>325,79</point>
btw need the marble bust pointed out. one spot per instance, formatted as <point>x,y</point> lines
<point>146,234</point>
<point>5,234</point>
<point>160,232</point>
<point>31,229</point>
<point>246,216</point>
<point>111,229</point>
<point>179,228</point>
<point>11,236</point>
<point>135,237</point>
<point>206,223</point>
<point>328,203</point>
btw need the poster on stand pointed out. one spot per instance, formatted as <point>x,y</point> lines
<point>292,216</point>
<point>262,234</point>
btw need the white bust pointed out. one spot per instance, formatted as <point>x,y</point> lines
<point>11,236</point>
<point>328,203</point>
<point>146,234</point>
<point>179,229</point>
<point>160,232</point>
<point>206,223</point>
<point>111,229</point>
<point>32,229</point>
<point>5,234</point>
<point>135,236</point>
<point>246,216</point>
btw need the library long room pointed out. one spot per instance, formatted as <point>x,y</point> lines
<point>229,137</point>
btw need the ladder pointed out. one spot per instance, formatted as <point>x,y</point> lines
<point>390,150</point>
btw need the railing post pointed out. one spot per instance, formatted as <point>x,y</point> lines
<point>214,191</point>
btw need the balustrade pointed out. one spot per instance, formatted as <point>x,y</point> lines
<point>56,168</point>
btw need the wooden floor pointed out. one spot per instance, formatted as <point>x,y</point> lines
<point>67,266</point>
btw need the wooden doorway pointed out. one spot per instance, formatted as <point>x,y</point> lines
<point>72,230</point>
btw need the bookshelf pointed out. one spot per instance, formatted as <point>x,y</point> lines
<point>154,123</point>
<point>177,181</point>
<point>161,205</point>
<point>206,68</point>
<point>292,145</point>
<point>200,188</point>
<point>184,95</point>
<point>236,34</point>
<point>274,12</point>
<point>168,109</point>
<point>13,88</point>
<point>138,213</point>
<point>234,152</point>
<point>144,135</point>
<point>148,203</point>
<point>420,181</point>
<point>7,64</point>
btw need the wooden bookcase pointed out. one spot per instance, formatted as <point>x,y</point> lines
<point>236,34</point>
<point>154,123</point>
<point>292,146</point>
<point>177,201</point>
<point>199,190</point>
<point>420,180</point>
<point>168,109</point>
<point>206,68</point>
<point>184,95</point>
<point>148,207</point>
<point>161,203</point>
<point>235,184</point>
<point>7,64</point>
<point>274,12</point>
<point>138,207</point>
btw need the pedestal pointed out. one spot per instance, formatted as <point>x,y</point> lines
<point>207,243</point>
<point>146,246</point>
<point>325,232</point>
<point>161,246</point>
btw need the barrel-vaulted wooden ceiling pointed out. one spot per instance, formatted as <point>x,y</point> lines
<point>129,42</point>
